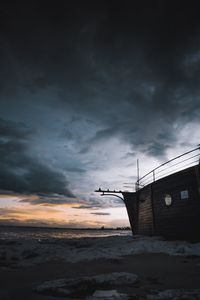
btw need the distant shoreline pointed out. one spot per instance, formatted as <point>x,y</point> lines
<point>64,228</point>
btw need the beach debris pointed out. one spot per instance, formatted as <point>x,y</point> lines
<point>29,254</point>
<point>87,286</point>
<point>107,295</point>
<point>116,278</point>
<point>175,294</point>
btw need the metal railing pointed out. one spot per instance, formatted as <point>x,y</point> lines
<point>176,164</point>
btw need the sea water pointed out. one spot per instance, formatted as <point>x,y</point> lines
<point>23,246</point>
<point>39,233</point>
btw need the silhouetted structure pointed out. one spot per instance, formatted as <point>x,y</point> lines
<point>170,205</point>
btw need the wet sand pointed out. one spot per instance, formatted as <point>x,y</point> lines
<point>155,271</point>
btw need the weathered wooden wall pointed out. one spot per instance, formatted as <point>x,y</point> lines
<point>130,201</point>
<point>182,218</point>
<point>139,208</point>
<point>145,213</point>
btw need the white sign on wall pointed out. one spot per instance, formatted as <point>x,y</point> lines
<point>184,194</point>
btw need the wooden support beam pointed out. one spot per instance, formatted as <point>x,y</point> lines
<point>108,191</point>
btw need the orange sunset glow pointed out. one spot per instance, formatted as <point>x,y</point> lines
<point>14,212</point>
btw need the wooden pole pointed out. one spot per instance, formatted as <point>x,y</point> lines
<point>138,174</point>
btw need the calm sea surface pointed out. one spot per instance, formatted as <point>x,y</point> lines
<point>47,233</point>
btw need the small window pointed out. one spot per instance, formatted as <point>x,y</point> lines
<point>168,200</point>
<point>184,194</point>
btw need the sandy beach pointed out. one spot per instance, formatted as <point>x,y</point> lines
<point>159,266</point>
<point>155,272</point>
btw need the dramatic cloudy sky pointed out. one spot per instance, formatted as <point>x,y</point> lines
<point>86,88</point>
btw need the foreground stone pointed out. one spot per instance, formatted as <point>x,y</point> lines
<point>107,295</point>
<point>176,294</point>
<point>83,287</point>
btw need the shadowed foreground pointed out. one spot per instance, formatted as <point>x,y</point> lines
<point>155,272</point>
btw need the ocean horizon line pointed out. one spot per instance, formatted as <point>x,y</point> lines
<point>66,228</point>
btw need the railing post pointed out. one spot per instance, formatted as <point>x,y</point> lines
<point>154,177</point>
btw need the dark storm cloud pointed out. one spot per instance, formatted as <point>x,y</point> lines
<point>91,203</point>
<point>91,206</point>
<point>125,66</point>
<point>99,136</point>
<point>100,214</point>
<point>22,173</point>
<point>11,130</point>
<point>48,200</point>
<point>76,170</point>
<point>94,202</point>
